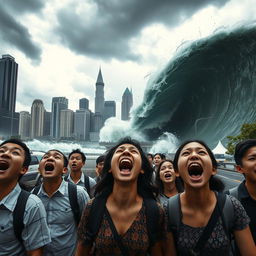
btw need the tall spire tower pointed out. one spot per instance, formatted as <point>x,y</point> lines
<point>99,94</point>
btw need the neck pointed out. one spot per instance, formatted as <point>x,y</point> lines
<point>251,188</point>
<point>124,195</point>
<point>198,197</point>
<point>51,185</point>
<point>170,189</point>
<point>6,188</point>
<point>76,176</point>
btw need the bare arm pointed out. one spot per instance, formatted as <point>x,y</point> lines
<point>245,242</point>
<point>36,252</point>
<point>82,250</point>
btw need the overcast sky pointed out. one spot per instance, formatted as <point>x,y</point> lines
<point>60,45</point>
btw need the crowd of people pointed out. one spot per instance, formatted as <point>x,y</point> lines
<point>138,204</point>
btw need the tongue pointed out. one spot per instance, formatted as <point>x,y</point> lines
<point>125,171</point>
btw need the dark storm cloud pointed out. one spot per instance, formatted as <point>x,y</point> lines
<point>109,33</point>
<point>14,34</point>
<point>24,5</point>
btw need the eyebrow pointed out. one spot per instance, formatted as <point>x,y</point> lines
<point>197,148</point>
<point>131,147</point>
<point>14,148</point>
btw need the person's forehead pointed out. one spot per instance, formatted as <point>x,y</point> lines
<point>251,150</point>
<point>193,145</point>
<point>54,152</point>
<point>13,146</point>
<point>127,145</point>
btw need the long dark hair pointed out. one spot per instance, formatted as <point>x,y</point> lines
<point>159,182</point>
<point>214,182</point>
<point>145,186</point>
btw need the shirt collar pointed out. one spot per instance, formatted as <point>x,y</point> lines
<point>10,200</point>
<point>80,180</point>
<point>61,189</point>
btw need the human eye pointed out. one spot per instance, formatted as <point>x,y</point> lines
<point>1,150</point>
<point>202,152</point>
<point>185,153</point>
<point>16,152</point>
<point>45,156</point>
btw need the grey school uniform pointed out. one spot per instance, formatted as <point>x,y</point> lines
<point>35,233</point>
<point>61,220</point>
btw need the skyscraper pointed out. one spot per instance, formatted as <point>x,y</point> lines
<point>83,103</point>
<point>58,104</point>
<point>109,109</point>
<point>82,124</point>
<point>37,119</point>
<point>8,86</point>
<point>24,125</point>
<point>99,94</point>
<point>66,123</point>
<point>127,101</point>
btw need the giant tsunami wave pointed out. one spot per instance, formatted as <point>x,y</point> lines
<point>207,91</point>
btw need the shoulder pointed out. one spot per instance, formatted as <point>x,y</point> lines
<point>33,202</point>
<point>92,181</point>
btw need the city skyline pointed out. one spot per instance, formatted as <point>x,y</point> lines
<point>61,45</point>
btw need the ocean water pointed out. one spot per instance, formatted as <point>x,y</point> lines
<point>206,91</point>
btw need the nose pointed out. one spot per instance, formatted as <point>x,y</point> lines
<point>194,155</point>
<point>126,152</point>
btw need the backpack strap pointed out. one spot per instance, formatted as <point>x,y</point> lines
<point>36,190</point>
<point>18,214</point>
<point>72,195</point>
<point>174,214</point>
<point>66,177</point>
<point>95,216</point>
<point>87,184</point>
<point>234,192</point>
<point>152,217</point>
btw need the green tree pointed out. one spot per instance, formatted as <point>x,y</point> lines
<point>247,131</point>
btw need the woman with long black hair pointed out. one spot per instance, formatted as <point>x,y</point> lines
<point>127,225</point>
<point>201,226</point>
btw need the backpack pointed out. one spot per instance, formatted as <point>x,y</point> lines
<point>18,214</point>
<point>227,215</point>
<point>98,208</point>
<point>72,195</point>
<point>234,192</point>
<point>86,183</point>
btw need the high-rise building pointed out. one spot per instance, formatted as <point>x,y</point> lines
<point>8,86</point>
<point>47,123</point>
<point>24,125</point>
<point>82,124</point>
<point>58,104</point>
<point>66,123</point>
<point>127,101</point>
<point>109,109</point>
<point>83,103</point>
<point>99,94</point>
<point>37,119</point>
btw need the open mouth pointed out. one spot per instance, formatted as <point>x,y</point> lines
<point>49,167</point>
<point>125,166</point>
<point>4,166</point>
<point>168,175</point>
<point>73,165</point>
<point>195,170</point>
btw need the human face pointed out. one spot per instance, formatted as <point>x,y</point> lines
<point>126,163</point>
<point>150,159</point>
<point>157,160</point>
<point>99,168</point>
<point>248,167</point>
<point>195,165</point>
<point>12,157</point>
<point>167,173</point>
<point>52,165</point>
<point>75,162</point>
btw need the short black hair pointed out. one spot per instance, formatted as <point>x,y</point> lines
<point>77,151</point>
<point>27,159</point>
<point>64,157</point>
<point>100,159</point>
<point>151,155</point>
<point>162,156</point>
<point>241,148</point>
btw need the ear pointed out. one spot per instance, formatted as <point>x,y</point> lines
<point>239,169</point>
<point>65,170</point>
<point>24,170</point>
<point>214,171</point>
